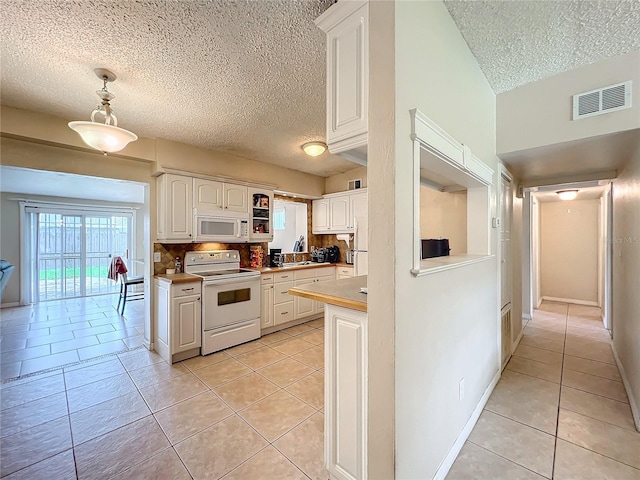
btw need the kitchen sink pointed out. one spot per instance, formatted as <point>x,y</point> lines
<point>301,264</point>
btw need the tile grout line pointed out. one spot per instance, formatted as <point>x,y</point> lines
<point>555,439</point>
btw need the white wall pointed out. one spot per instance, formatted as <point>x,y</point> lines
<point>444,215</point>
<point>626,277</point>
<point>340,182</point>
<point>569,250</point>
<point>446,324</point>
<point>540,113</point>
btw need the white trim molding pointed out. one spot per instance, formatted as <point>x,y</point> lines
<point>570,300</point>
<point>446,464</point>
<point>635,407</point>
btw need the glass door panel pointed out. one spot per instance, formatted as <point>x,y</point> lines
<point>106,236</point>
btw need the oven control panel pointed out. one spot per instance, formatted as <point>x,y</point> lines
<point>211,257</point>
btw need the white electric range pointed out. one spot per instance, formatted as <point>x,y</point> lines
<point>230,298</point>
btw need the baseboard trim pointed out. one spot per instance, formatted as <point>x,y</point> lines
<point>570,300</point>
<point>517,341</point>
<point>526,316</point>
<point>446,464</point>
<point>10,304</point>
<point>635,408</point>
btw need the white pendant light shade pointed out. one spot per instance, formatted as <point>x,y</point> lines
<point>313,149</point>
<point>567,194</point>
<point>106,138</point>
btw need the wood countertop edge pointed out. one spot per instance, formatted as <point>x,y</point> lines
<point>331,299</point>
<point>178,277</point>
<point>267,270</point>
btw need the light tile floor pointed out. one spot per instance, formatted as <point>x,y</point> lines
<point>57,333</point>
<point>560,409</point>
<point>254,411</point>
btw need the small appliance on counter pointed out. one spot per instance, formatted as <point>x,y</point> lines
<point>435,247</point>
<point>333,254</point>
<point>275,257</point>
<point>349,257</point>
<point>319,255</point>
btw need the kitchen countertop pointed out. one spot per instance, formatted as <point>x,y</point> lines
<point>343,293</point>
<point>178,277</point>
<point>300,267</point>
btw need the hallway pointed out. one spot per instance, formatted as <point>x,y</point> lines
<point>560,409</point>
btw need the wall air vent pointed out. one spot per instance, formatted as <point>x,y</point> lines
<point>603,100</point>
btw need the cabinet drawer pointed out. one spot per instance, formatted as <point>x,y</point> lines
<point>184,289</point>
<point>283,277</point>
<point>302,274</point>
<point>345,271</point>
<point>266,278</point>
<point>326,272</point>
<point>281,292</point>
<point>283,312</point>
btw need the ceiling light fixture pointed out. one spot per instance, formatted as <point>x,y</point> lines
<point>567,194</point>
<point>103,136</point>
<point>313,149</point>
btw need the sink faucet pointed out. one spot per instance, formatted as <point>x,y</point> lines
<point>294,257</point>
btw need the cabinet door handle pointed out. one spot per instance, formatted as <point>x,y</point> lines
<point>198,298</point>
<point>283,313</point>
<point>187,289</point>
<point>284,293</point>
<point>285,276</point>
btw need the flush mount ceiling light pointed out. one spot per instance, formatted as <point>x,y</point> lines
<point>313,149</point>
<point>105,137</point>
<point>567,194</point>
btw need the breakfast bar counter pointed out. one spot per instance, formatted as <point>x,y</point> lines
<point>343,293</point>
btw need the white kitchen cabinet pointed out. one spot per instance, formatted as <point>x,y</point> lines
<point>320,216</point>
<point>344,272</point>
<point>261,212</point>
<point>177,319</point>
<point>339,213</point>
<point>279,307</point>
<point>346,25</point>
<point>346,393</point>
<point>175,208</point>
<point>303,307</point>
<point>235,198</point>
<point>266,306</point>
<point>335,212</point>
<point>358,206</point>
<point>211,197</point>
<point>207,196</point>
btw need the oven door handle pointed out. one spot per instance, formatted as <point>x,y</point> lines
<point>231,281</point>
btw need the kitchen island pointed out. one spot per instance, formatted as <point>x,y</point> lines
<point>345,386</point>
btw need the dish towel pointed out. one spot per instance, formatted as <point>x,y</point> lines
<point>117,267</point>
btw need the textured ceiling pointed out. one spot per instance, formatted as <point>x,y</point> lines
<point>518,42</point>
<point>245,77</point>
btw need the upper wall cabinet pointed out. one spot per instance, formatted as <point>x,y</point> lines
<point>175,213</point>
<point>335,213</point>
<point>210,196</point>
<point>346,24</point>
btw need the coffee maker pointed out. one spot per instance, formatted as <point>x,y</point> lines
<point>275,257</point>
<point>333,254</point>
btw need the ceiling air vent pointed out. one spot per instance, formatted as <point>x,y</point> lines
<point>602,100</point>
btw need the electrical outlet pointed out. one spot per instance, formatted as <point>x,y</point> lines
<point>156,257</point>
<point>461,389</point>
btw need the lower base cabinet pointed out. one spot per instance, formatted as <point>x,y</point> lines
<point>178,328</point>
<point>346,393</point>
<point>280,308</point>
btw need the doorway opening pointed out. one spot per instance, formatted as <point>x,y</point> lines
<point>71,251</point>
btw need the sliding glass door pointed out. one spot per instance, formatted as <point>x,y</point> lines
<point>72,251</point>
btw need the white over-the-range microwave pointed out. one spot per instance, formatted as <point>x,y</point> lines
<point>212,228</point>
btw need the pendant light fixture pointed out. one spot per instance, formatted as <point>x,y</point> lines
<point>105,137</point>
<point>313,149</point>
<point>567,194</point>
